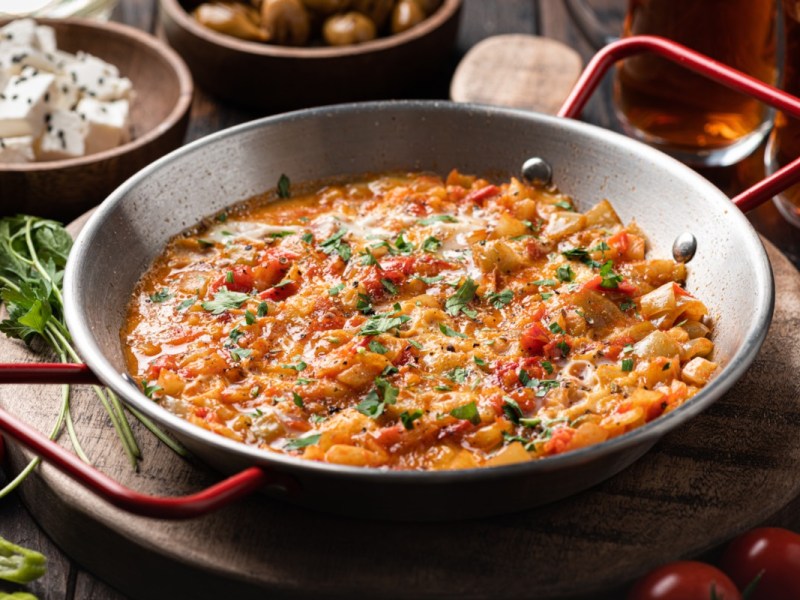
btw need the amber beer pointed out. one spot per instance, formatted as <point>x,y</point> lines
<point>785,141</point>
<point>686,113</point>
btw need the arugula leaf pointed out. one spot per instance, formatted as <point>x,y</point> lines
<point>468,412</point>
<point>458,302</point>
<point>224,301</point>
<point>500,299</point>
<point>451,332</point>
<point>438,219</point>
<point>302,442</point>
<point>283,186</point>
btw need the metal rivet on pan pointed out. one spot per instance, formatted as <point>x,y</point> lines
<point>684,247</point>
<point>537,170</point>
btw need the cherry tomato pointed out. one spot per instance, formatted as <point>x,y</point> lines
<point>774,551</point>
<point>685,580</point>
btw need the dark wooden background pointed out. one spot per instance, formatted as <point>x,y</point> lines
<point>481,18</point>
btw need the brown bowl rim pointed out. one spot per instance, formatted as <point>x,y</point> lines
<point>443,14</point>
<point>137,36</point>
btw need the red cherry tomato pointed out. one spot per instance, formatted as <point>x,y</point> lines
<point>685,580</point>
<point>773,551</point>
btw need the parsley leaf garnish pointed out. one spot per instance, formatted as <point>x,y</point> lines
<point>382,323</point>
<point>431,244</point>
<point>150,389</point>
<point>468,412</point>
<point>450,332</point>
<point>223,301</point>
<point>402,245</point>
<point>302,442</point>
<point>336,289</point>
<point>458,302</point>
<point>408,418</point>
<point>438,219</point>
<point>375,402</point>
<point>161,295</point>
<point>548,282</point>
<point>377,347</point>
<point>512,410</point>
<point>283,186</point>
<point>389,286</point>
<point>576,254</point>
<point>239,354</point>
<point>500,299</point>
<point>335,245</point>
<point>187,303</point>
<point>610,280</point>
<point>565,273</point>
<point>627,364</point>
<point>457,375</point>
<point>262,310</point>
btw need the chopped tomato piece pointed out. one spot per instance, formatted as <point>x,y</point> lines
<point>165,361</point>
<point>679,291</point>
<point>620,242</point>
<point>623,287</point>
<point>456,429</point>
<point>535,339</point>
<point>389,436</point>
<point>201,412</point>
<point>239,278</point>
<point>276,294</point>
<point>273,266</point>
<point>482,194</point>
<point>560,440</point>
<point>616,346</point>
<point>395,269</point>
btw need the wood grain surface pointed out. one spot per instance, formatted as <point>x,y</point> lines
<point>734,466</point>
<point>519,71</point>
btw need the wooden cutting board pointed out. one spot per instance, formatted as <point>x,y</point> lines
<point>733,467</point>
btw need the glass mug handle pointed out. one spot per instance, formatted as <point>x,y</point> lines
<point>589,24</point>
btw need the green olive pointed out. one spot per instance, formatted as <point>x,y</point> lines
<point>285,21</point>
<point>230,18</point>
<point>377,10</point>
<point>406,14</point>
<point>349,28</point>
<point>327,7</point>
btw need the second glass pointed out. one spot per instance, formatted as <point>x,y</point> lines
<point>686,115</point>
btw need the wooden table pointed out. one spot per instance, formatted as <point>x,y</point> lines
<point>481,18</point>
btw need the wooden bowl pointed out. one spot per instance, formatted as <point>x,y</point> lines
<point>275,78</point>
<point>162,86</point>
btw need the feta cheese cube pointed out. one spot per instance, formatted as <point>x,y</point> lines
<point>21,32</point>
<point>23,104</point>
<point>97,79</point>
<point>46,39</point>
<point>64,137</point>
<point>16,150</point>
<point>65,93</point>
<point>107,123</point>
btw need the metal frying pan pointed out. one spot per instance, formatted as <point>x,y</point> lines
<point>729,271</point>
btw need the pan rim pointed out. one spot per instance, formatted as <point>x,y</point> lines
<point>651,432</point>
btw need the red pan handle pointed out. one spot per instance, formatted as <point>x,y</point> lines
<point>723,74</point>
<point>194,505</point>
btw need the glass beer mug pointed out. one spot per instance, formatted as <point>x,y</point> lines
<point>784,142</point>
<point>695,120</point>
